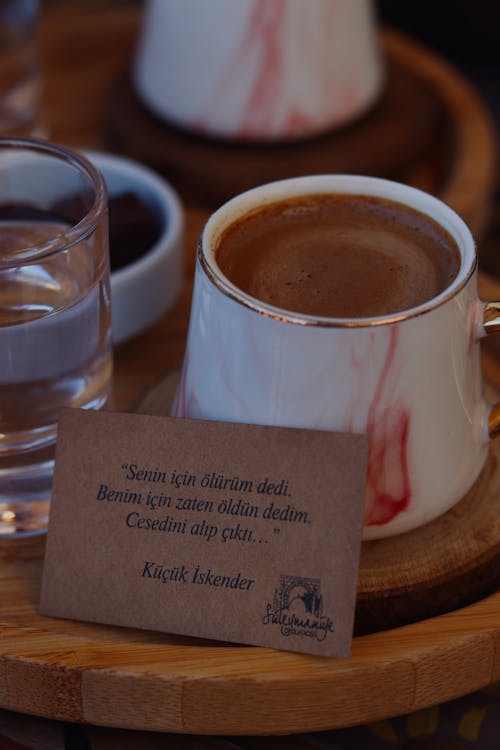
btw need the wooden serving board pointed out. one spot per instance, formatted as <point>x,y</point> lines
<point>135,679</point>
<point>141,680</point>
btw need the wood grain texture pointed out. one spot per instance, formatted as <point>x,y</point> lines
<point>142,680</point>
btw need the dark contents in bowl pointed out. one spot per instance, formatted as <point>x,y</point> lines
<point>134,227</point>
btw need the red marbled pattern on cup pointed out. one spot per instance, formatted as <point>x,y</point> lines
<point>388,488</point>
<point>272,105</point>
<point>385,417</point>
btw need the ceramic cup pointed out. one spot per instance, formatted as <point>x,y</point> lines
<point>410,381</point>
<point>258,69</point>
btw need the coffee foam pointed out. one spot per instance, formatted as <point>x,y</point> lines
<point>339,256</point>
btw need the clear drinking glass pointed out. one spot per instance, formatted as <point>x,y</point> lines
<point>55,343</point>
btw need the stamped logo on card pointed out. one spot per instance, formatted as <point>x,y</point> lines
<point>234,532</point>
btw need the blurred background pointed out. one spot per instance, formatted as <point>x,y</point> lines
<point>434,122</point>
<point>463,31</point>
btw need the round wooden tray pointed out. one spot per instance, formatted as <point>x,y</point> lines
<point>429,128</point>
<point>135,679</point>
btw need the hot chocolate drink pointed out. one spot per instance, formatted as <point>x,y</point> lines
<point>338,256</point>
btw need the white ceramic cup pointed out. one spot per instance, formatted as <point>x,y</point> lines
<point>258,69</point>
<point>411,381</point>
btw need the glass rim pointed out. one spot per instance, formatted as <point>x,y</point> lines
<point>75,232</point>
<point>356,185</point>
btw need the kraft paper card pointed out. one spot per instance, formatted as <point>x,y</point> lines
<point>232,532</point>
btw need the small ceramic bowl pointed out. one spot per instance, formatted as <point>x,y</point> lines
<point>144,289</point>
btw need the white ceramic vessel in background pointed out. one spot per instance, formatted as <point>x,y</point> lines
<point>142,291</point>
<point>410,381</point>
<point>258,69</point>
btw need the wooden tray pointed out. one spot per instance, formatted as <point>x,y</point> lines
<point>135,679</point>
<point>429,128</point>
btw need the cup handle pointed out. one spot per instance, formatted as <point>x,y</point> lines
<point>491,325</point>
